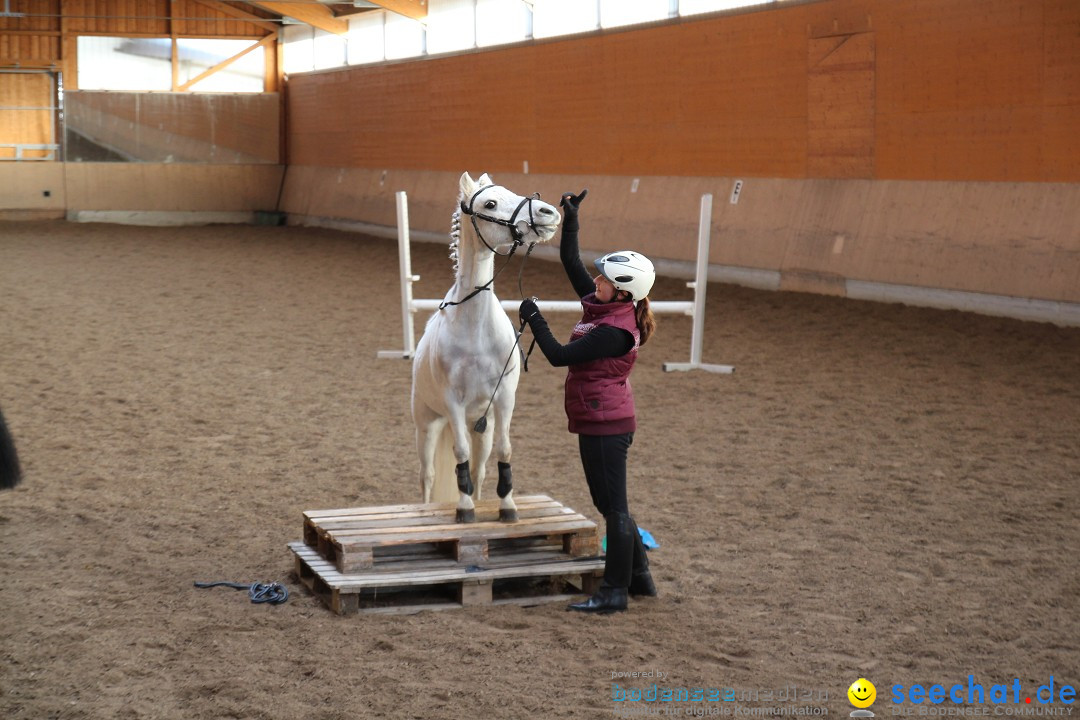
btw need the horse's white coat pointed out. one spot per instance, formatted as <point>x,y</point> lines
<point>464,348</point>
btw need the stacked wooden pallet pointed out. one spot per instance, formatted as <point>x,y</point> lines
<point>407,558</point>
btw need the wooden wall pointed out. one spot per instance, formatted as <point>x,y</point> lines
<point>27,117</point>
<point>983,90</point>
<point>45,37</point>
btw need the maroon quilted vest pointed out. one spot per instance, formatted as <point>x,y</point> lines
<point>599,400</point>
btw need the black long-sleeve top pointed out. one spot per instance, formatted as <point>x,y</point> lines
<point>600,342</point>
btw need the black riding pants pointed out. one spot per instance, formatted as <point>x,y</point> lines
<point>604,459</point>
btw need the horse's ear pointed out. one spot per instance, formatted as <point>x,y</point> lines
<point>467,184</point>
<point>484,181</point>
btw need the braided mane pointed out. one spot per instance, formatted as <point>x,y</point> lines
<point>455,237</point>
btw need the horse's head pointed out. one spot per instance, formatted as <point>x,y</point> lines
<point>502,217</point>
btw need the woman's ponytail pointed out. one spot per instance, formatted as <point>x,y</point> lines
<point>646,322</point>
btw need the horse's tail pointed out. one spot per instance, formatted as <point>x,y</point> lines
<point>445,490</point>
<point>10,473</point>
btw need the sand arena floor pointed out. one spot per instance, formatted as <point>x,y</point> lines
<point>878,491</point>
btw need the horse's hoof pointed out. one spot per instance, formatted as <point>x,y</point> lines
<point>508,515</point>
<point>465,516</point>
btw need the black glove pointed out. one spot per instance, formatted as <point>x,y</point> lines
<point>570,204</point>
<point>528,310</point>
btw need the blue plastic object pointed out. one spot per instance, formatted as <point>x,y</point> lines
<point>646,539</point>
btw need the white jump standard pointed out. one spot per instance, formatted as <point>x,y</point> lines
<point>694,308</point>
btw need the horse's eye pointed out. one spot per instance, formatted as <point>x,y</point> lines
<point>491,204</point>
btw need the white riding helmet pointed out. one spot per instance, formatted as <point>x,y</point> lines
<point>628,270</point>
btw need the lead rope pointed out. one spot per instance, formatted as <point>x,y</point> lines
<point>486,286</point>
<point>532,345</point>
<point>272,593</point>
<point>480,425</point>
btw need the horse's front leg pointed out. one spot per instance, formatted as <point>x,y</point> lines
<point>466,509</point>
<point>481,451</point>
<point>507,508</point>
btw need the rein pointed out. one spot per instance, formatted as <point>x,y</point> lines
<point>481,424</point>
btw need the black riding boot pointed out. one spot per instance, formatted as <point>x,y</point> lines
<point>611,597</point>
<point>641,582</point>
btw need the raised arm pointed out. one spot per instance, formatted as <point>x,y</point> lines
<point>580,277</point>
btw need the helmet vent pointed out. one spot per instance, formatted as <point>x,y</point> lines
<point>623,278</point>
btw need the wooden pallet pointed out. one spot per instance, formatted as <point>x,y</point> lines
<point>522,580</point>
<point>360,539</point>
<point>407,558</point>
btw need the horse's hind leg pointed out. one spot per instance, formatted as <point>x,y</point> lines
<point>428,429</point>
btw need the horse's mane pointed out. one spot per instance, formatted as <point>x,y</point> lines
<point>455,237</point>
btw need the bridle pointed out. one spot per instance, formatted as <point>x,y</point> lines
<point>512,223</point>
<point>517,235</point>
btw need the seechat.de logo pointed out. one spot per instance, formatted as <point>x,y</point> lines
<point>862,694</point>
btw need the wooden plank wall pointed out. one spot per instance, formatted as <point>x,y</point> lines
<point>34,40</point>
<point>26,117</point>
<point>922,89</point>
<point>45,37</point>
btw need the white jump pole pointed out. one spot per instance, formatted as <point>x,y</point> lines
<point>407,279</point>
<point>695,308</point>
<point>700,284</point>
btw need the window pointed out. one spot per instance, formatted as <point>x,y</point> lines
<point>196,56</point>
<point>299,48</point>
<point>404,37</point>
<point>136,64</point>
<point>695,7</point>
<point>455,25</point>
<point>451,25</point>
<point>328,50</point>
<point>366,38</point>
<point>563,17</point>
<point>115,63</point>
<point>502,21</point>
<point>614,13</point>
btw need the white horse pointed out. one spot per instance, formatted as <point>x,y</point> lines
<point>465,365</point>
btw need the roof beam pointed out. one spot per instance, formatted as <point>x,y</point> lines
<point>313,14</point>
<point>237,13</point>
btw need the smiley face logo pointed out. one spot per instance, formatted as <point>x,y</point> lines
<point>862,693</point>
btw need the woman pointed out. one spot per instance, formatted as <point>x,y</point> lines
<point>599,401</point>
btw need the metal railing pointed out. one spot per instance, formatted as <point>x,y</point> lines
<point>21,148</point>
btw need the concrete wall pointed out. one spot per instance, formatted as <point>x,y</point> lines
<point>145,193</point>
<point>1011,240</point>
<point>32,190</point>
